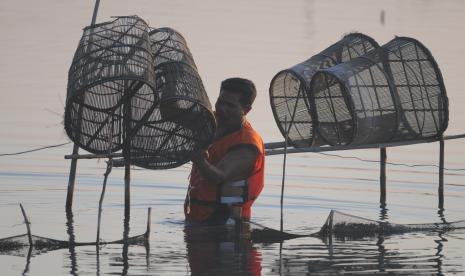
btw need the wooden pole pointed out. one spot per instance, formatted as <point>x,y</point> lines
<point>147,237</point>
<point>71,180</point>
<point>28,261</point>
<point>127,156</point>
<point>127,177</point>
<point>127,190</point>
<point>149,223</point>
<point>26,220</point>
<point>72,172</point>
<point>281,226</point>
<point>94,15</point>
<point>441,175</point>
<point>383,157</point>
<point>100,203</point>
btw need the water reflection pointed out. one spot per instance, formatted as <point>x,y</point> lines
<point>28,261</point>
<point>126,242</point>
<point>381,254</point>
<point>440,245</point>
<point>97,259</point>
<point>226,250</point>
<point>383,212</point>
<point>218,250</point>
<point>72,240</point>
<point>441,215</point>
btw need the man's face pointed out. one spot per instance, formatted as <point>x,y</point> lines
<point>228,110</point>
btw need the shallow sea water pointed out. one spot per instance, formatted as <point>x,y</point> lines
<point>241,38</point>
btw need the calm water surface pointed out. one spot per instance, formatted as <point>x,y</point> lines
<point>241,38</point>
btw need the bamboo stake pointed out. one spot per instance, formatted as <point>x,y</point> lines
<point>284,173</point>
<point>127,189</point>
<point>26,220</point>
<point>28,261</point>
<point>382,177</point>
<point>441,174</point>
<point>94,15</point>
<point>127,164</point>
<point>72,173</point>
<point>72,180</point>
<point>104,186</point>
<point>102,195</point>
<point>149,222</point>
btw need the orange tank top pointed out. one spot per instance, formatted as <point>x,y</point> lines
<point>203,196</point>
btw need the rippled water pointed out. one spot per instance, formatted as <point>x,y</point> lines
<point>241,38</point>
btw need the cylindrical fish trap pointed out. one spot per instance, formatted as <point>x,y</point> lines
<point>112,66</point>
<point>419,86</point>
<point>184,121</point>
<point>288,89</point>
<point>393,93</point>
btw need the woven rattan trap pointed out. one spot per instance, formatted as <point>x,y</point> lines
<point>289,88</point>
<point>393,93</point>
<point>137,89</point>
<point>183,122</point>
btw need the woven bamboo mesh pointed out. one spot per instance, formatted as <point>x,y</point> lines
<point>19,245</point>
<point>289,88</point>
<point>419,87</point>
<point>137,88</point>
<point>346,226</point>
<point>393,93</point>
<point>183,122</point>
<point>112,65</point>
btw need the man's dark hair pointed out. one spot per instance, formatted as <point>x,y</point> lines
<point>242,86</point>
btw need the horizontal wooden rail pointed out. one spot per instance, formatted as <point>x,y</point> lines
<point>275,148</point>
<point>93,156</point>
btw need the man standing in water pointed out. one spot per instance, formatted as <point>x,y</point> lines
<point>227,178</point>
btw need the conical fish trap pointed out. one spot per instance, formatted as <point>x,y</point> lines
<point>289,88</point>
<point>112,67</point>
<point>393,93</point>
<point>184,122</point>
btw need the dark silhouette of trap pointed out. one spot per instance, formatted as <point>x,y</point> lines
<point>137,89</point>
<point>183,122</point>
<point>111,69</point>
<point>289,88</point>
<point>393,93</point>
<point>357,95</point>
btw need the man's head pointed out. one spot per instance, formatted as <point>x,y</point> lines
<point>235,101</point>
<point>244,87</point>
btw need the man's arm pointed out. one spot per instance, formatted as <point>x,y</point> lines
<point>237,164</point>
